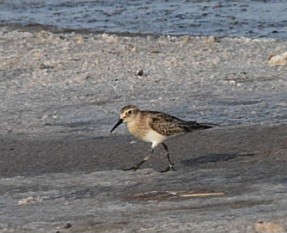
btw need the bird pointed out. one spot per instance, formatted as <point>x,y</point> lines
<point>155,127</point>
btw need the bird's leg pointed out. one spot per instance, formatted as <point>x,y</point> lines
<point>170,164</point>
<point>136,167</point>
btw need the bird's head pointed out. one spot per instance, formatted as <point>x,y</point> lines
<point>127,114</point>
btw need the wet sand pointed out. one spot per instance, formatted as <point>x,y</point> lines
<point>80,182</point>
<point>61,170</point>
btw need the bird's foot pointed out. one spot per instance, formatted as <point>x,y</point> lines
<point>134,168</point>
<point>169,168</point>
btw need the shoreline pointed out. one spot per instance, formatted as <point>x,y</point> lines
<point>56,30</point>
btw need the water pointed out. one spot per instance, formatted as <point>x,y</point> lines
<point>253,18</point>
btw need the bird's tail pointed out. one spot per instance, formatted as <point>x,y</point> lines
<point>193,125</point>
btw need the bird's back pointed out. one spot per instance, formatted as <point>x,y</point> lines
<point>168,125</point>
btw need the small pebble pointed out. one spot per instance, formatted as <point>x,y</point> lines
<point>46,66</point>
<point>140,72</point>
<point>67,226</point>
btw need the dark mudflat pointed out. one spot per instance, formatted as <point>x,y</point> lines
<point>77,181</point>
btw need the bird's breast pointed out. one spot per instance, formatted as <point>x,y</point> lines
<point>144,132</point>
<point>136,129</point>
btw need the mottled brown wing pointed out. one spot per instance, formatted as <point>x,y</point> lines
<point>166,124</point>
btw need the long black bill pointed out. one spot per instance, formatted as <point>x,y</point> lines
<point>116,125</point>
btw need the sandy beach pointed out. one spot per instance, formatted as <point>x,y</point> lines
<point>62,171</point>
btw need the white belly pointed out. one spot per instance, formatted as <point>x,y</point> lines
<point>154,137</point>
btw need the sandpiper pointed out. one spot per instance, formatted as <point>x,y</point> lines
<point>155,127</point>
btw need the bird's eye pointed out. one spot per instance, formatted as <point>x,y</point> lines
<point>130,111</point>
